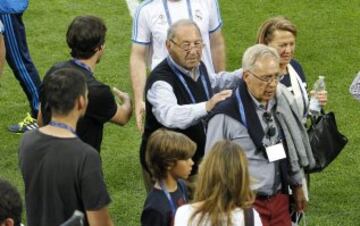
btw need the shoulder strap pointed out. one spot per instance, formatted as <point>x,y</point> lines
<point>249,217</point>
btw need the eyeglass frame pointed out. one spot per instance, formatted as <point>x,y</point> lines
<point>194,45</point>
<point>277,78</point>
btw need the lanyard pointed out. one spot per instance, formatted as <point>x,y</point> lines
<point>62,126</point>
<point>241,108</point>
<point>166,7</point>
<point>82,65</point>
<point>182,80</point>
<point>168,196</point>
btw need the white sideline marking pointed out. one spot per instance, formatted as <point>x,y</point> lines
<point>132,4</point>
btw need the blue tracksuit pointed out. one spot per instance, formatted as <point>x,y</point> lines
<point>17,52</point>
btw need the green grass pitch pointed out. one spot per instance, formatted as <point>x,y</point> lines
<point>328,43</point>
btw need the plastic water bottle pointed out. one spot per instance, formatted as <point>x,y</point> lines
<point>77,219</point>
<point>315,107</point>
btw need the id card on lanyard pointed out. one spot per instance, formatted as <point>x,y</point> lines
<point>274,152</point>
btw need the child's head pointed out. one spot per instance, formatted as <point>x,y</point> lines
<point>169,152</point>
<point>223,182</point>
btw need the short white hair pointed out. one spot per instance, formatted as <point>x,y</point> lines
<point>171,33</point>
<point>257,52</point>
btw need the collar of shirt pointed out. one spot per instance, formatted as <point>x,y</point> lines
<point>185,71</point>
<point>261,106</point>
<point>83,65</point>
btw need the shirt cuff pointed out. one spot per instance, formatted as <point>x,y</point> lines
<point>200,109</point>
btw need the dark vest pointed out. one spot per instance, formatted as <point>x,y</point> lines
<point>163,72</point>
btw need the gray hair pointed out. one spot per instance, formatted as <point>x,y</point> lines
<point>171,33</point>
<point>257,52</point>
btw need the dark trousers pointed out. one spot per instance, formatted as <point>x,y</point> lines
<point>19,60</point>
<point>274,210</point>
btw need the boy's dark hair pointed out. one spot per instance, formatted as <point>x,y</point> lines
<point>61,89</point>
<point>85,34</point>
<point>164,148</point>
<point>10,203</point>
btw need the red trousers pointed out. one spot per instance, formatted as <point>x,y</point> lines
<point>274,210</point>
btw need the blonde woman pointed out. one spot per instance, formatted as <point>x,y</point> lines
<point>223,195</point>
<point>280,33</point>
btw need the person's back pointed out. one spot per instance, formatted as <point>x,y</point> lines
<point>222,192</point>
<point>101,108</point>
<point>61,175</point>
<point>238,217</point>
<point>86,39</point>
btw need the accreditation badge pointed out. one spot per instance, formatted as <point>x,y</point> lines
<point>275,152</point>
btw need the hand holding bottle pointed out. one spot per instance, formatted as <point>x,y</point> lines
<point>321,96</point>
<point>318,97</point>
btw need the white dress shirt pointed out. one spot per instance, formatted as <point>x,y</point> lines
<point>172,115</point>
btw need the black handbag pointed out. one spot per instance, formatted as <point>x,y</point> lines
<point>326,141</point>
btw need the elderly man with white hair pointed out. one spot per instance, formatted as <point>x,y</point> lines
<point>179,91</point>
<point>263,118</point>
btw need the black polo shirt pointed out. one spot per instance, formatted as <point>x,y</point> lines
<point>101,106</point>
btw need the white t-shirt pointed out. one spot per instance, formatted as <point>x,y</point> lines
<point>153,18</point>
<point>184,213</point>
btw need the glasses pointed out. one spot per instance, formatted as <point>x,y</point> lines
<point>270,130</point>
<point>187,46</point>
<point>268,78</point>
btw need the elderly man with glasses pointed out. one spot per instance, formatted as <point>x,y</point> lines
<point>151,21</point>
<point>263,118</point>
<point>179,92</point>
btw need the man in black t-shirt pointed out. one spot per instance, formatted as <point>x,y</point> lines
<point>86,39</point>
<point>61,173</point>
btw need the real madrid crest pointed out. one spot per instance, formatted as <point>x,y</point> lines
<point>161,19</point>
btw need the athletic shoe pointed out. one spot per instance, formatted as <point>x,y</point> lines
<point>29,123</point>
